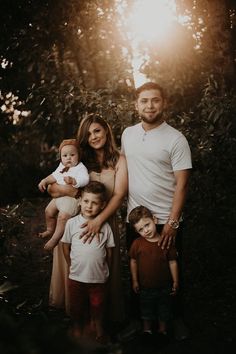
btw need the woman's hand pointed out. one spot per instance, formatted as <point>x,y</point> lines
<point>91,229</point>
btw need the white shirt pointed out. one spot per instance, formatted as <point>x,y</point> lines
<point>152,157</point>
<point>79,172</point>
<point>88,260</point>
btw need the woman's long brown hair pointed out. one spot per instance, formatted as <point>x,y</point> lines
<point>88,155</point>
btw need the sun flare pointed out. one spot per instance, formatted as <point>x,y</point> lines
<point>151,19</point>
<point>148,21</point>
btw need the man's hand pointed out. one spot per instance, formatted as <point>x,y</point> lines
<point>167,236</point>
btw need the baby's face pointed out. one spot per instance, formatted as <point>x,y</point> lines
<point>146,227</point>
<point>69,156</point>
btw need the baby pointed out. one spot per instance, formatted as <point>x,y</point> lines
<point>59,210</point>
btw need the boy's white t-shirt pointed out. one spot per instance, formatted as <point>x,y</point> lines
<point>88,260</point>
<point>79,172</point>
<point>152,157</point>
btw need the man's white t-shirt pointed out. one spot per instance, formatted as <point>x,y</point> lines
<point>88,260</point>
<point>152,157</point>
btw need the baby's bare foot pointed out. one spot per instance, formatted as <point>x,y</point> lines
<point>50,244</point>
<point>44,234</point>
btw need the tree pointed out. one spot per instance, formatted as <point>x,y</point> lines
<point>59,61</point>
<point>213,25</point>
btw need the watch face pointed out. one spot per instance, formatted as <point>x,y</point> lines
<point>174,224</point>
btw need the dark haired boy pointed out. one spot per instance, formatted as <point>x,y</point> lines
<point>154,271</point>
<point>88,263</point>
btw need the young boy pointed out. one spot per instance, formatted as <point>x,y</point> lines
<point>69,171</point>
<point>88,263</point>
<point>154,271</point>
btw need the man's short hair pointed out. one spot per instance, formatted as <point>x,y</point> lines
<point>150,86</point>
<point>139,213</point>
<point>95,187</point>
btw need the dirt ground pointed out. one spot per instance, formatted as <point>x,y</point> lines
<point>27,325</point>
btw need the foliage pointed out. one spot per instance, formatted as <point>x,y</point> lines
<point>11,226</point>
<point>210,129</point>
<point>53,72</point>
<point>21,254</point>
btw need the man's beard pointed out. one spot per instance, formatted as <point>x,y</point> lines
<point>159,117</point>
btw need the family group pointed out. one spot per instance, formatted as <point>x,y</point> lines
<point>150,173</point>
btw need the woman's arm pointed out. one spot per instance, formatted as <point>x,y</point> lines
<point>45,182</point>
<point>120,191</point>
<point>59,190</point>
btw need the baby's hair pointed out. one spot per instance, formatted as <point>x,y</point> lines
<point>139,213</point>
<point>68,142</point>
<point>95,187</point>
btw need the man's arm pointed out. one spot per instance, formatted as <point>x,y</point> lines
<point>182,181</point>
<point>181,189</point>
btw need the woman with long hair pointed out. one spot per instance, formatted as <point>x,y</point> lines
<point>105,164</point>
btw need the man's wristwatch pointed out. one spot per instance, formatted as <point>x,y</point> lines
<point>173,223</point>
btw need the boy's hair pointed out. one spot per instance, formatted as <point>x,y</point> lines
<point>150,86</point>
<point>138,213</point>
<point>95,187</point>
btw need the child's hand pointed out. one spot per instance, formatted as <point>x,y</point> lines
<point>135,287</point>
<point>42,185</point>
<point>174,289</point>
<point>70,180</point>
<point>50,244</point>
